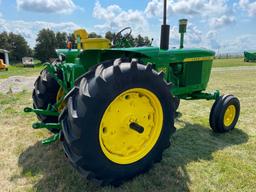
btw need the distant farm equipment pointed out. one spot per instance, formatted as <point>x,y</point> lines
<point>250,56</point>
<point>28,62</point>
<point>4,60</point>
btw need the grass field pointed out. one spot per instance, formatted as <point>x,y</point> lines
<point>14,71</point>
<point>198,160</point>
<point>232,62</point>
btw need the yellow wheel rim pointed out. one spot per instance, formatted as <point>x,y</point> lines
<point>59,96</point>
<point>229,115</point>
<point>119,141</point>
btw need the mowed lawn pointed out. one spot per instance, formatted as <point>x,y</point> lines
<point>20,70</point>
<point>198,159</point>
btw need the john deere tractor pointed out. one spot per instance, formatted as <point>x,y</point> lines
<point>112,106</point>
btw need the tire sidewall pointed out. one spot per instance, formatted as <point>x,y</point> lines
<point>102,97</point>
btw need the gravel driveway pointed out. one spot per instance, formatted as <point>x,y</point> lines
<point>16,84</point>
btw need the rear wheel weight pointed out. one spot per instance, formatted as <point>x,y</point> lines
<point>90,116</point>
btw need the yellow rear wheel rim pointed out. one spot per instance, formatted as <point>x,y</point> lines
<point>229,115</point>
<point>118,141</point>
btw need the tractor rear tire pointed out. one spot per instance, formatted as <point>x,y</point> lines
<point>45,93</point>
<point>224,114</point>
<point>88,130</point>
<point>176,103</point>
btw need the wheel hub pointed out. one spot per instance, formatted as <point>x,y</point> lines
<point>229,115</point>
<point>130,126</point>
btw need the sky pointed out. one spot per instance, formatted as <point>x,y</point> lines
<point>225,26</point>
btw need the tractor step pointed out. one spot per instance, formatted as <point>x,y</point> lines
<point>51,139</point>
<point>40,125</point>
<point>41,111</point>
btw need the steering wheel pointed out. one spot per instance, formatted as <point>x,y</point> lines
<point>119,39</point>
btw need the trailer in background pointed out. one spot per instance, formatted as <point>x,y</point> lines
<point>250,56</point>
<point>28,62</point>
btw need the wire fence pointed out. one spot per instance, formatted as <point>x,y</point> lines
<point>229,55</point>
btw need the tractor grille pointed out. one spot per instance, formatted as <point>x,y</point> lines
<point>193,73</point>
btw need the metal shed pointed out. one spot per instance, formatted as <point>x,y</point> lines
<point>4,56</point>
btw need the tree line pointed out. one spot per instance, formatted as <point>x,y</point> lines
<point>48,41</point>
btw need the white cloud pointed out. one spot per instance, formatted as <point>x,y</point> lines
<point>154,8</point>
<point>240,44</point>
<point>222,21</point>
<point>47,6</point>
<point>109,12</point>
<point>214,12</point>
<point>249,6</point>
<point>114,18</point>
<point>188,7</point>
<point>29,30</point>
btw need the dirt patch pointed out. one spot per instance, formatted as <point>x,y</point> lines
<point>16,84</point>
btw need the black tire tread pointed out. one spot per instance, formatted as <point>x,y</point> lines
<point>73,136</point>
<point>44,93</point>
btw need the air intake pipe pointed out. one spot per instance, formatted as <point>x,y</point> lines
<point>182,30</point>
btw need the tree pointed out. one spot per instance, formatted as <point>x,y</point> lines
<point>110,36</point>
<point>147,42</point>
<point>16,45</point>
<point>61,40</point>
<point>19,47</point>
<point>4,39</point>
<point>46,45</point>
<point>94,35</point>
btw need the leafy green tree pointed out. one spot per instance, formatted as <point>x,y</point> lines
<point>139,41</point>
<point>110,36</point>
<point>46,45</point>
<point>16,45</point>
<point>147,41</point>
<point>4,39</point>
<point>94,35</point>
<point>61,40</point>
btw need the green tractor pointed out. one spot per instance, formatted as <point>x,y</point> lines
<point>113,106</point>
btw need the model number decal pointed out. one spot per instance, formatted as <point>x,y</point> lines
<point>198,59</point>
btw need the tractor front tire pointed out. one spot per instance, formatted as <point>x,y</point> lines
<point>224,114</point>
<point>117,122</point>
<point>45,92</point>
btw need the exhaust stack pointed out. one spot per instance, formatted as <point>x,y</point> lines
<point>165,30</point>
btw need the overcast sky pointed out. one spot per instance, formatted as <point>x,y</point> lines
<point>221,25</point>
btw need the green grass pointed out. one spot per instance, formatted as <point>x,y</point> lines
<point>235,62</point>
<point>198,160</point>
<point>20,70</point>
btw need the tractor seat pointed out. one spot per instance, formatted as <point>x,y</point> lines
<point>85,43</point>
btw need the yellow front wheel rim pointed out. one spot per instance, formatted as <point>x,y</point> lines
<point>229,115</point>
<point>120,140</point>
